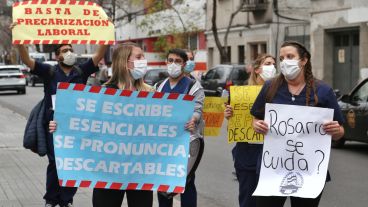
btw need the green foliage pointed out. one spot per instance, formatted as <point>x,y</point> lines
<point>179,19</point>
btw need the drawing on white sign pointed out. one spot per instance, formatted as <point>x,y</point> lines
<point>291,183</point>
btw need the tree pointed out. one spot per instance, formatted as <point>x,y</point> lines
<point>5,33</point>
<point>180,19</point>
<point>223,49</point>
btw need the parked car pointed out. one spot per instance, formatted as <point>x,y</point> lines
<point>354,107</point>
<point>25,70</point>
<point>222,77</point>
<point>12,78</point>
<point>155,75</point>
<point>34,79</point>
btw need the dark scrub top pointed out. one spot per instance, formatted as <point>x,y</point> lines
<point>181,87</point>
<point>52,78</point>
<point>325,94</point>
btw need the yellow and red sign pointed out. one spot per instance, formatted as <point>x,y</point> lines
<point>213,115</point>
<point>240,124</point>
<point>61,22</point>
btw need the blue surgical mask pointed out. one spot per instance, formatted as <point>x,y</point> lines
<point>189,67</point>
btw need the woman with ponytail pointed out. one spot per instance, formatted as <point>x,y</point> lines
<point>246,154</point>
<point>296,85</point>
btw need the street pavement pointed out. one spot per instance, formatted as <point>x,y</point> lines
<point>23,173</point>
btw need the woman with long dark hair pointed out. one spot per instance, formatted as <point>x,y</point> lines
<point>296,85</point>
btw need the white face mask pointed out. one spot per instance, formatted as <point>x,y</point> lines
<point>69,58</point>
<point>139,70</point>
<point>174,70</point>
<point>290,69</point>
<point>268,72</point>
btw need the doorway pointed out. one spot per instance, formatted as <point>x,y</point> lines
<point>345,60</point>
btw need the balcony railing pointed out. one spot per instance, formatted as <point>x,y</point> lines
<point>255,5</point>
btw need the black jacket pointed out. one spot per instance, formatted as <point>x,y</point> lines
<point>35,134</point>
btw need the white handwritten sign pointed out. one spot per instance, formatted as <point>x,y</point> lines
<point>296,151</point>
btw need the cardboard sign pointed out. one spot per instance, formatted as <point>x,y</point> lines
<point>296,151</point>
<point>108,138</point>
<point>240,124</point>
<point>61,22</point>
<point>213,115</point>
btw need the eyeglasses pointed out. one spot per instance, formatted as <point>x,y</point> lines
<point>177,61</point>
<point>66,50</point>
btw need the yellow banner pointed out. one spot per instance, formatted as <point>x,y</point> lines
<point>61,22</point>
<point>213,115</point>
<point>240,125</point>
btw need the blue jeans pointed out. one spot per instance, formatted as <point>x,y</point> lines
<point>187,199</point>
<point>54,193</point>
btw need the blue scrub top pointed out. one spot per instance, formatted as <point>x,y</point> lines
<point>325,94</point>
<point>52,78</point>
<point>181,87</point>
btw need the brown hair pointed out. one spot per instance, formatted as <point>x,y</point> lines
<point>256,65</point>
<point>308,75</point>
<point>120,71</point>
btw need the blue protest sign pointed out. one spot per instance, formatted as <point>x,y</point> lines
<point>108,138</point>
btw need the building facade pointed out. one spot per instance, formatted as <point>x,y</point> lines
<point>148,27</point>
<point>339,41</point>
<point>260,27</point>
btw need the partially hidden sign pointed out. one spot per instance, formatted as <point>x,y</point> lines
<point>213,115</point>
<point>108,138</point>
<point>61,22</point>
<point>296,151</point>
<point>240,124</point>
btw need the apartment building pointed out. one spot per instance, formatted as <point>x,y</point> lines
<point>339,41</point>
<point>260,27</point>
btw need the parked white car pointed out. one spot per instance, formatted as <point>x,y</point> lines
<point>12,78</point>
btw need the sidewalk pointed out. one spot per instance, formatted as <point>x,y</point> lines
<point>23,173</point>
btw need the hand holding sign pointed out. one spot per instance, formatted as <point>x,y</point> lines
<point>228,111</point>
<point>334,129</point>
<point>260,126</point>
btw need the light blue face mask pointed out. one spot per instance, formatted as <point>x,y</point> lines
<point>189,67</point>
